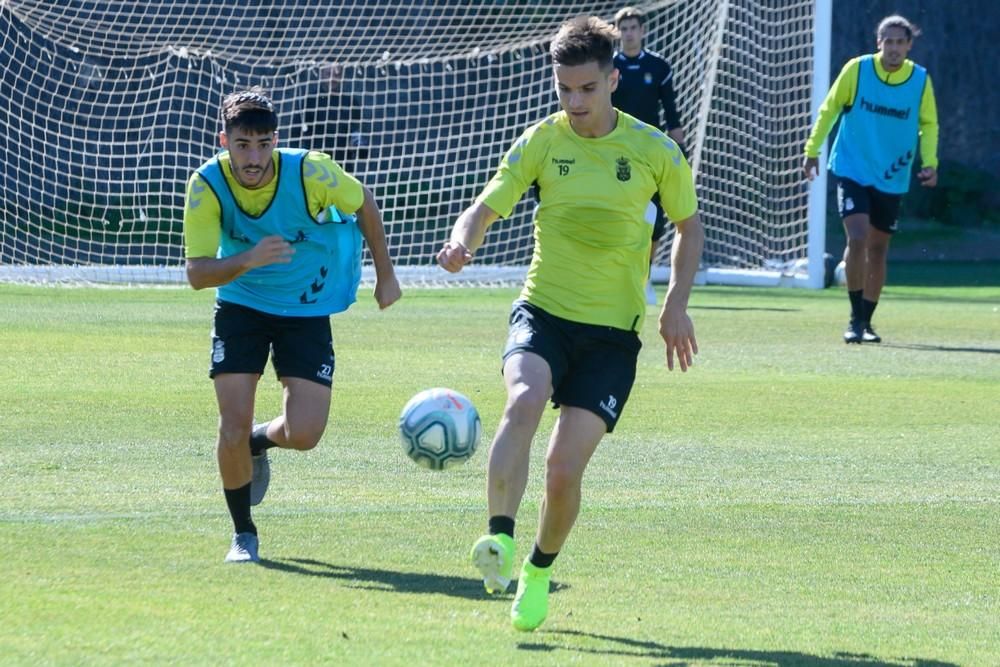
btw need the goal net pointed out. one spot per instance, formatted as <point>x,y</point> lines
<point>107,107</point>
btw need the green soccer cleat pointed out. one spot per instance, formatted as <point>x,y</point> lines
<point>493,556</point>
<point>531,604</point>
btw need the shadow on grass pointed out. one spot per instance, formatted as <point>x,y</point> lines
<point>943,298</point>
<point>389,580</point>
<point>768,310</point>
<point>941,348</point>
<point>623,647</point>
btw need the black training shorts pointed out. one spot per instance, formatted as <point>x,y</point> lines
<point>593,367</point>
<point>882,208</point>
<point>300,347</point>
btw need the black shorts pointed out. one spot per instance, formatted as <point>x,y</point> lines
<point>300,347</point>
<point>882,208</point>
<point>593,367</point>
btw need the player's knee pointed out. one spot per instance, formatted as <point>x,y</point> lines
<point>234,434</point>
<point>856,247</point>
<point>525,403</point>
<point>562,476</point>
<point>302,436</point>
<point>877,251</point>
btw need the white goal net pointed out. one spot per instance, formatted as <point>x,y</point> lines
<point>107,107</point>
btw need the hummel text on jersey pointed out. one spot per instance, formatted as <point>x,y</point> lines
<point>881,110</point>
<point>563,164</point>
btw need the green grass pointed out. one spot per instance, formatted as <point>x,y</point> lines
<point>789,501</point>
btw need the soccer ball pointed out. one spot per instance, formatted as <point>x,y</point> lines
<point>840,274</point>
<point>439,428</point>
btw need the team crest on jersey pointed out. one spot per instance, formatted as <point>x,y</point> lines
<point>648,78</point>
<point>624,171</point>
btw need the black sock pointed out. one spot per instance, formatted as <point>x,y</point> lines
<point>238,501</point>
<point>502,524</point>
<point>857,307</point>
<point>541,559</point>
<point>259,440</point>
<point>869,307</point>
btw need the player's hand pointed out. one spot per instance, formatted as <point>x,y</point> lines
<point>677,331</point>
<point>453,256</point>
<point>271,250</point>
<point>928,177</point>
<point>810,167</point>
<point>387,291</point>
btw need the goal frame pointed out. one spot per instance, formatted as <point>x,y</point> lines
<point>808,273</point>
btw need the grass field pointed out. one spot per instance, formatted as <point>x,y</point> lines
<point>789,501</point>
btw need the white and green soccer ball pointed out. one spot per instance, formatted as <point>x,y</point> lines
<point>439,428</point>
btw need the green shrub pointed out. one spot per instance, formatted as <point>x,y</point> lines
<point>964,197</point>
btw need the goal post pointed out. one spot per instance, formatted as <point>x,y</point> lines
<point>106,108</point>
<point>822,22</point>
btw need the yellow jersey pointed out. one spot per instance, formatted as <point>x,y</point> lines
<point>591,254</point>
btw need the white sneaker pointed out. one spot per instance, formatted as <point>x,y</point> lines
<point>650,293</point>
<point>260,479</point>
<point>244,549</point>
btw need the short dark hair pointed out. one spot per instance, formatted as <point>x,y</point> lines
<point>250,109</point>
<point>630,13</point>
<point>582,40</point>
<point>896,21</point>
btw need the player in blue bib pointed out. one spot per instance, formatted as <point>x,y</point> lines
<point>278,232</point>
<point>884,102</point>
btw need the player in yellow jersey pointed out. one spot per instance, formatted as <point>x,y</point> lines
<point>573,334</point>
<point>274,230</point>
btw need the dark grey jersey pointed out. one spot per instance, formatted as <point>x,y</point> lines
<point>646,83</point>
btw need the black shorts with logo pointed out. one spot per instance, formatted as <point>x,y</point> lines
<point>300,347</point>
<point>593,367</point>
<point>882,208</point>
